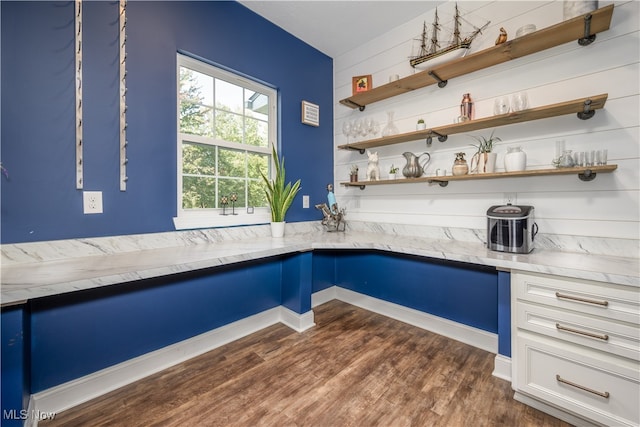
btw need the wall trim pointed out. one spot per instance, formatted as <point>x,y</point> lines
<point>502,367</point>
<point>323,296</point>
<point>297,322</point>
<point>80,390</point>
<point>469,335</point>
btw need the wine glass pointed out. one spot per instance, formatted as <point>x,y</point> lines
<point>357,128</point>
<point>346,129</point>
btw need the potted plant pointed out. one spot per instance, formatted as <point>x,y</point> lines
<point>279,195</point>
<point>353,174</point>
<point>392,172</point>
<point>484,160</point>
<point>421,125</point>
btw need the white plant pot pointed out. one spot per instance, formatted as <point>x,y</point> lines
<point>490,164</point>
<point>277,229</point>
<point>421,126</point>
<point>392,176</point>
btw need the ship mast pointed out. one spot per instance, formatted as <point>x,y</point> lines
<point>434,34</point>
<point>456,27</point>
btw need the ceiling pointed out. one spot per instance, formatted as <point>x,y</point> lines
<point>336,27</point>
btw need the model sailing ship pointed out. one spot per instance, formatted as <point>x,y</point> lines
<point>458,45</point>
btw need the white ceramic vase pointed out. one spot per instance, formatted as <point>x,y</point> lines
<point>515,160</point>
<point>571,9</point>
<point>277,229</point>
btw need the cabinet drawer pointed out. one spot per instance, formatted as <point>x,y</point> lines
<point>614,302</point>
<point>601,388</point>
<point>617,338</point>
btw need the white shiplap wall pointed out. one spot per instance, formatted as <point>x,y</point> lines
<point>609,206</point>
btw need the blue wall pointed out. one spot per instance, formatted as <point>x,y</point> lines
<point>463,293</point>
<point>14,372</point>
<point>76,334</point>
<point>40,201</point>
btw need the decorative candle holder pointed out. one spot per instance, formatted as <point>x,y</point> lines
<point>224,201</point>
<point>234,199</point>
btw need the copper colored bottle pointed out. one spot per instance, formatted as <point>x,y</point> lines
<point>466,107</point>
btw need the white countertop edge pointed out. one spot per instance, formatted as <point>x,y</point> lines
<point>17,286</point>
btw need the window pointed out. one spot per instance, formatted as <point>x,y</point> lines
<point>226,125</point>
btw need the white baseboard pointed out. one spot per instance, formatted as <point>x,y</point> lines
<point>502,367</point>
<point>75,392</point>
<point>457,331</point>
<point>323,296</point>
<point>297,322</point>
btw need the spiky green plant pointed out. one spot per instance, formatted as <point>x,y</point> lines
<point>485,145</point>
<point>279,195</point>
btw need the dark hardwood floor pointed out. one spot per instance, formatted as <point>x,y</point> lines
<point>355,368</point>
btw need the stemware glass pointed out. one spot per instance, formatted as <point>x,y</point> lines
<point>346,129</point>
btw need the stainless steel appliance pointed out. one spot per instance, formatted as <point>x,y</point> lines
<point>511,228</point>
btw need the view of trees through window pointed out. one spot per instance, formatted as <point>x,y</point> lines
<point>224,136</point>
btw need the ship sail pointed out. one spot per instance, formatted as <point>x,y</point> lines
<point>434,50</point>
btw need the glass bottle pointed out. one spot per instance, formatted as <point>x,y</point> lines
<point>390,128</point>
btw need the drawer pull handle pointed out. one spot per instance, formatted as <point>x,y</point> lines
<point>588,301</point>
<point>602,337</point>
<point>581,387</point>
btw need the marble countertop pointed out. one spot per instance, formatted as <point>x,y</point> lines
<point>36,277</point>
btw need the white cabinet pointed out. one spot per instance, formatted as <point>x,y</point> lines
<point>576,347</point>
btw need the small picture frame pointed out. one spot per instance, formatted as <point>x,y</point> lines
<point>310,114</point>
<point>361,84</point>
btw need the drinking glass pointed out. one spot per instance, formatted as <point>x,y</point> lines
<point>519,101</point>
<point>346,129</point>
<point>588,158</point>
<point>501,105</point>
<point>601,157</point>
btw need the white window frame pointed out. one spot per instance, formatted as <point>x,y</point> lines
<point>206,218</point>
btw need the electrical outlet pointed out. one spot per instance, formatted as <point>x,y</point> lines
<point>305,202</point>
<point>510,198</point>
<point>92,202</point>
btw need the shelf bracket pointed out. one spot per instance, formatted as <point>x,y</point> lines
<point>362,187</point>
<point>441,137</point>
<point>588,37</point>
<point>354,104</point>
<point>587,112</point>
<point>441,83</point>
<point>359,150</point>
<point>587,175</point>
<point>440,183</point>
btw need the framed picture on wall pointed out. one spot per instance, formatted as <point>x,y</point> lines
<point>361,84</point>
<point>310,114</point>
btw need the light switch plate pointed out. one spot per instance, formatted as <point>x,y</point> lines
<point>305,202</point>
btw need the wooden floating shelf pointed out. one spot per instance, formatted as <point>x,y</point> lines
<point>546,38</point>
<point>587,173</point>
<point>563,108</point>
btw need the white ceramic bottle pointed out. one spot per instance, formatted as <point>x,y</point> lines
<point>515,160</point>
